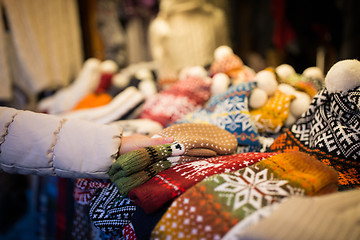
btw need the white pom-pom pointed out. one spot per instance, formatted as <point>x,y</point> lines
<point>313,72</point>
<point>284,71</point>
<point>266,80</point>
<point>92,62</point>
<point>120,80</point>
<point>300,104</point>
<point>108,66</point>
<point>197,71</point>
<point>144,74</point>
<point>287,89</point>
<point>343,76</point>
<point>161,27</point>
<point>148,88</point>
<point>222,51</point>
<point>258,98</point>
<point>220,82</point>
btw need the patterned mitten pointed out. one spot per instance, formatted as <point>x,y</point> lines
<point>171,183</point>
<point>201,140</point>
<point>212,207</point>
<point>109,211</point>
<point>229,111</point>
<point>271,117</point>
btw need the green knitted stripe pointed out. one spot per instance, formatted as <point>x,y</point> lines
<point>125,184</point>
<point>137,160</point>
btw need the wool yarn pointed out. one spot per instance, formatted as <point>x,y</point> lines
<point>171,183</point>
<point>212,207</point>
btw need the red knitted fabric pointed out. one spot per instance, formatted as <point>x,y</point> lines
<point>181,98</point>
<point>174,181</point>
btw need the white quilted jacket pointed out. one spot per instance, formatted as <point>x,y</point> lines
<point>42,144</point>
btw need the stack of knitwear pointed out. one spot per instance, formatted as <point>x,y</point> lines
<point>171,183</point>
<point>119,106</point>
<point>229,110</point>
<point>329,130</point>
<point>212,207</point>
<point>271,117</point>
<point>193,141</point>
<point>66,98</point>
<point>185,96</point>
<point>332,216</point>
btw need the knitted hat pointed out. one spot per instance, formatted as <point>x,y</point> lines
<point>212,207</point>
<point>109,211</point>
<point>329,130</point>
<point>229,111</point>
<point>171,104</point>
<point>230,64</point>
<point>271,117</point>
<point>332,216</point>
<point>173,182</point>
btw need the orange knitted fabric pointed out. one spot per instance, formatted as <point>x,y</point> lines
<point>93,100</point>
<point>271,117</point>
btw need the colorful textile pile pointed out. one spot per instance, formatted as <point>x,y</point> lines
<point>212,207</point>
<point>330,131</point>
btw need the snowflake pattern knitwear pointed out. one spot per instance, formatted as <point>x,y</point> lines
<point>229,111</point>
<point>171,183</point>
<point>330,131</point>
<point>212,207</point>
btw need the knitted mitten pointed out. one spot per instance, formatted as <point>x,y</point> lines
<point>109,211</point>
<point>201,140</point>
<point>271,117</point>
<point>173,182</point>
<point>212,207</point>
<point>137,160</point>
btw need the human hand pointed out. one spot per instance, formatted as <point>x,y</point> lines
<point>137,141</point>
